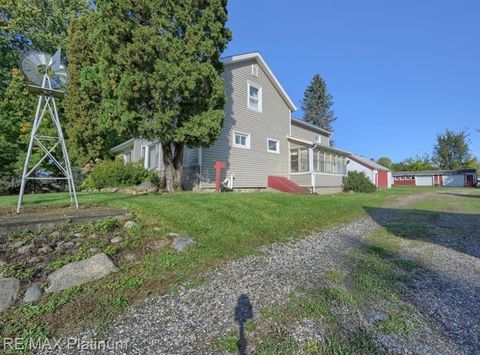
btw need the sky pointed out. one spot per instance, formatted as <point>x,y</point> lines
<point>399,71</point>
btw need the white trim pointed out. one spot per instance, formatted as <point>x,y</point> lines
<point>200,166</point>
<point>247,140</point>
<point>257,56</point>
<point>260,94</point>
<point>300,140</point>
<point>278,146</point>
<point>119,148</point>
<point>301,173</point>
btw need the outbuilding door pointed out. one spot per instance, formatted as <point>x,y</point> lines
<point>382,179</point>
<point>469,180</point>
<point>423,180</point>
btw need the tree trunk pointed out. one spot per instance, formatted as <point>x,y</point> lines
<point>173,160</point>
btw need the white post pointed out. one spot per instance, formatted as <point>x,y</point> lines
<point>311,169</point>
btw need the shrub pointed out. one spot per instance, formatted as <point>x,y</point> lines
<point>358,182</point>
<point>114,173</point>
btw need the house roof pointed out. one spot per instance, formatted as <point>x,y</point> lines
<point>119,148</point>
<point>258,57</point>
<point>301,122</point>
<point>434,172</point>
<point>368,163</point>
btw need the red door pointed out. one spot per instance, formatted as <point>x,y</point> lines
<point>382,179</point>
<point>469,180</point>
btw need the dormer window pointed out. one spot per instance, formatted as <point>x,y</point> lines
<point>255,70</point>
<point>254,97</point>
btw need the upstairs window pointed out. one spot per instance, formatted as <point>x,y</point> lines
<point>273,146</point>
<point>254,97</point>
<point>241,140</point>
<point>318,139</point>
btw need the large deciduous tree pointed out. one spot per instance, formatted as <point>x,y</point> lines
<point>317,104</point>
<point>149,68</point>
<point>451,150</point>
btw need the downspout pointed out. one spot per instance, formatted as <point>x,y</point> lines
<point>313,176</point>
<point>200,167</point>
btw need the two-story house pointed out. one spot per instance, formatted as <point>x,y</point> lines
<point>261,142</point>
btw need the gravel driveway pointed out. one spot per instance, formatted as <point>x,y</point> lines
<point>192,319</point>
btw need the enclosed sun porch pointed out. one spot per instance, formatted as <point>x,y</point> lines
<point>318,168</point>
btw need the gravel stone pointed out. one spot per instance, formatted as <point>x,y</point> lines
<point>129,224</point>
<point>45,249</point>
<point>116,240</point>
<point>25,249</point>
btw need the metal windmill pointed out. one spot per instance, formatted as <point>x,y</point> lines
<point>48,76</point>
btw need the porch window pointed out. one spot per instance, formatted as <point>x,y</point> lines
<point>152,157</point>
<point>303,159</point>
<point>294,160</point>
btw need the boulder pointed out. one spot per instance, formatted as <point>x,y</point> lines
<point>182,243</point>
<point>33,293</point>
<point>9,288</point>
<point>80,272</point>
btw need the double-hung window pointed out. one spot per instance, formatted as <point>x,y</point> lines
<point>241,140</point>
<point>150,156</point>
<point>254,97</point>
<point>273,146</point>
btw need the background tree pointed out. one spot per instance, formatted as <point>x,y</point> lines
<point>451,150</point>
<point>317,104</point>
<point>414,164</point>
<point>150,69</point>
<point>26,25</point>
<point>386,162</point>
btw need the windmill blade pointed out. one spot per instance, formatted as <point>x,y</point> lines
<point>54,63</point>
<point>33,66</point>
<point>60,77</point>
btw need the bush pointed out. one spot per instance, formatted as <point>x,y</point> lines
<point>115,173</point>
<point>358,182</point>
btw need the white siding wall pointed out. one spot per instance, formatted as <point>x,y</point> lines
<point>355,166</point>
<point>251,167</point>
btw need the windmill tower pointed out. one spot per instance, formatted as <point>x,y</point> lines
<point>48,76</point>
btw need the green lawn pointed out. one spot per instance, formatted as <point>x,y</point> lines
<point>227,226</point>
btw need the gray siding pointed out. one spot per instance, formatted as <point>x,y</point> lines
<point>190,157</point>
<point>251,167</point>
<point>308,134</point>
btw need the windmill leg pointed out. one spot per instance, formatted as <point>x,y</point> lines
<point>68,168</point>
<point>36,123</point>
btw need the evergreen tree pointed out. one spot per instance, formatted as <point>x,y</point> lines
<point>451,150</point>
<point>317,104</point>
<point>149,69</point>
